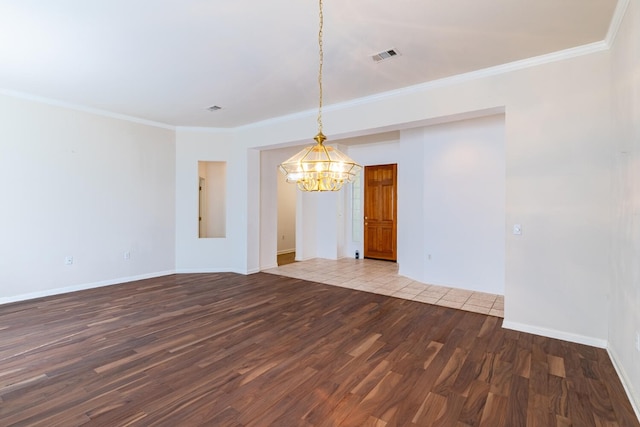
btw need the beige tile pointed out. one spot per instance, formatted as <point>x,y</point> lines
<point>433,293</point>
<point>484,296</point>
<point>382,277</point>
<point>450,304</point>
<point>367,285</point>
<point>476,308</point>
<point>425,298</point>
<point>391,286</point>
<point>383,291</point>
<point>460,293</point>
<point>417,285</point>
<point>487,303</point>
<point>405,293</point>
<point>455,298</point>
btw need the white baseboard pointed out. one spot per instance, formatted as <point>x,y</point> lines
<point>552,333</point>
<point>82,287</point>
<point>632,394</point>
<point>117,281</point>
<point>217,270</point>
<point>204,270</point>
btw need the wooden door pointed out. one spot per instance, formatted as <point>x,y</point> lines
<point>380,212</point>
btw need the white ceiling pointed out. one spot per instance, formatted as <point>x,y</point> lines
<point>168,60</point>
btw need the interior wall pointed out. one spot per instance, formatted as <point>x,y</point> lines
<point>451,201</point>
<point>287,194</point>
<point>624,314</point>
<point>306,234</point>
<point>559,189</point>
<point>74,184</point>
<point>194,254</point>
<point>411,215</point>
<point>464,204</point>
<point>213,209</point>
<point>278,207</point>
<point>217,199</point>
<point>328,207</point>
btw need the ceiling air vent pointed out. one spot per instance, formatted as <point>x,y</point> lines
<point>385,55</point>
<point>214,108</point>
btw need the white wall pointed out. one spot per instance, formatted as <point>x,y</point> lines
<point>91,187</point>
<point>278,201</point>
<point>411,215</point>
<point>213,203</point>
<point>329,207</point>
<point>558,187</point>
<point>216,183</point>
<point>464,204</point>
<point>306,235</point>
<point>212,254</point>
<point>451,201</point>
<point>287,195</point>
<point>624,314</point>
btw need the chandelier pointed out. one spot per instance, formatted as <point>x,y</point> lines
<point>320,167</point>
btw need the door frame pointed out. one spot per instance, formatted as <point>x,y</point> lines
<point>387,254</point>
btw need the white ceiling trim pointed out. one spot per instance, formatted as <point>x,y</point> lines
<point>616,21</point>
<point>204,129</point>
<point>84,109</point>
<point>447,81</point>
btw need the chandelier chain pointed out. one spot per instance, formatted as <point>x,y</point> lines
<point>321,54</point>
<point>320,167</point>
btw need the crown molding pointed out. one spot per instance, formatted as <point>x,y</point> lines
<point>203,129</point>
<point>479,74</point>
<point>457,79</point>
<point>616,21</point>
<point>84,109</point>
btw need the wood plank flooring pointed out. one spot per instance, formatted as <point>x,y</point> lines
<point>265,350</point>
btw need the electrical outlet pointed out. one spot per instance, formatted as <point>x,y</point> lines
<point>68,260</point>
<point>126,255</point>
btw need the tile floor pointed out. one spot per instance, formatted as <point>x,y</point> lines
<point>382,277</point>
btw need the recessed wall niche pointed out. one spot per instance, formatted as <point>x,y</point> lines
<point>212,199</point>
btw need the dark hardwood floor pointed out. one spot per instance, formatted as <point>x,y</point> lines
<point>265,350</point>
